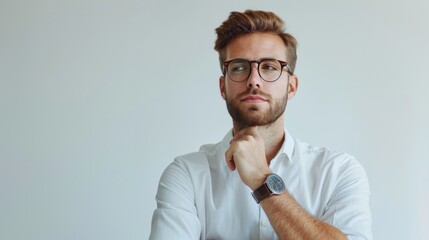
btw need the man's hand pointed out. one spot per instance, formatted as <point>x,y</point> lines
<point>246,153</point>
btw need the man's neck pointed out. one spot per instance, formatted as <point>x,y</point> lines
<point>273,135</point>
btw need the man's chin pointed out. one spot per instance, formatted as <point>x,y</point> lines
<point>259,120</point>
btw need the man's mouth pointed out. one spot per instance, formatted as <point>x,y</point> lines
<point>253,99</point>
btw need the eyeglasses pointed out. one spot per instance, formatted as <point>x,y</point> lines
<point>270,70</point>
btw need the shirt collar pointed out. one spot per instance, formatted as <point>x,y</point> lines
<point>289,146</point>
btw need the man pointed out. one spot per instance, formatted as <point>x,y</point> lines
<point>260,182</point>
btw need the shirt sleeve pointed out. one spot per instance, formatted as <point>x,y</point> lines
<point>176,214</point>
<point>348,208</point>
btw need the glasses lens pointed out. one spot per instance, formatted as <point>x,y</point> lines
<point>238,70</point>
<point>270,70</point>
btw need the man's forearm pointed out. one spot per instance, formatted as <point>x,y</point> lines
<point>291,221</point>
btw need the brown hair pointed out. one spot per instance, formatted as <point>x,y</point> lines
<point>239,24</point>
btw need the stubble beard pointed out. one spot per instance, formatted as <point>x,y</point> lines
<point>246,116</point>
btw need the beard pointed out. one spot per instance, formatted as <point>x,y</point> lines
<point>252,115</point>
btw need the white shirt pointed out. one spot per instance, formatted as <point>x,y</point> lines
<point>200,198</point>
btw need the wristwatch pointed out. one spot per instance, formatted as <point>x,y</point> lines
<point>273,185</point>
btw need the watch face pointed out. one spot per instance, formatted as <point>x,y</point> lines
<point>275,183</point>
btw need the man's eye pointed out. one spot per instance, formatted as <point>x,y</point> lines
<point>269,67</point>
<point>238,69</point>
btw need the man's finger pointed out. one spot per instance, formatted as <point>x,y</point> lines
<point>241,137</point>
<point>229,158</point>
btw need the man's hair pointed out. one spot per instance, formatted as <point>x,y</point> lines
<point>239,24</point>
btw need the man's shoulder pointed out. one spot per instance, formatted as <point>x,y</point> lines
<point>322,155</point>
<point>331,165</point>
<point>207,155</point>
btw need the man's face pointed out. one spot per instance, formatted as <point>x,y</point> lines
<point>255,102</point>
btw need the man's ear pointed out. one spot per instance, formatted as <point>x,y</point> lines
<point>293,86</point>
<point>222,86</point>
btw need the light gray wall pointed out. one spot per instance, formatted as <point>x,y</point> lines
<point>97,97</point>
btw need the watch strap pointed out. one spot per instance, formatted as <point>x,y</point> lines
<point>261,193</point>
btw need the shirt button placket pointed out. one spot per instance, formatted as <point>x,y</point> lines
<point>265,230</point>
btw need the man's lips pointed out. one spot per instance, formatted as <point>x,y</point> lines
<point>253,99</point>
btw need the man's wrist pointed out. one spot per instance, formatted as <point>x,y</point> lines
<point>260,181</point>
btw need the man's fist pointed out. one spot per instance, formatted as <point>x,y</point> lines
<point>246,154</point>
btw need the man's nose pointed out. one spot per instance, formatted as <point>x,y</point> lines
<point>254,80</point>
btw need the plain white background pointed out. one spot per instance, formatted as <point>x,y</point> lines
<point>98,97</point>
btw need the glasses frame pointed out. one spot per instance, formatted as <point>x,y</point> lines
<point>282,64</point>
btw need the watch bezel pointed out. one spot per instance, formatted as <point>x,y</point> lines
<point>275,184</point>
